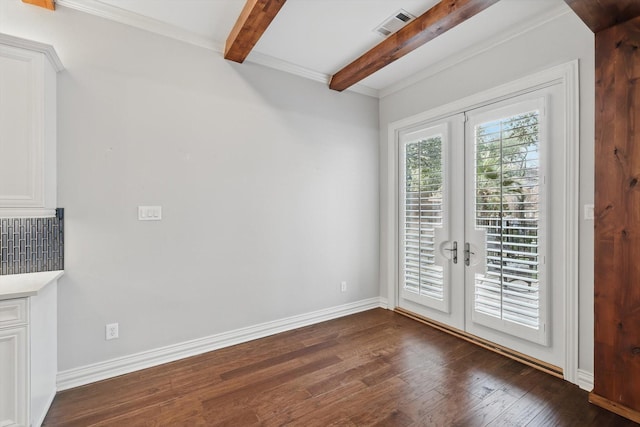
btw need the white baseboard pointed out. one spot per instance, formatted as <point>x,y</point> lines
<point>384,303</point>
<point>585,380</point>
<point>146,359</point>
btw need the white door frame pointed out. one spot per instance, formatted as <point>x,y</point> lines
<point>567,76</point>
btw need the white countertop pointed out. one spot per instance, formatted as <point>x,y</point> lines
<point>27,284</point>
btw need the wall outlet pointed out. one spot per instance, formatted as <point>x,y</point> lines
<point>343,286</point>
<point>111,331</point>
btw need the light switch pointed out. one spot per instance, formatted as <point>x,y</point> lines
<point>588,212</point>
<point>149,213</point>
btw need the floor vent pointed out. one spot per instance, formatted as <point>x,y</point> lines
<point>394,23</point>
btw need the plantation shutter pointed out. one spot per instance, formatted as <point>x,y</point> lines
<point>508,202</point>
<point>423,272</point>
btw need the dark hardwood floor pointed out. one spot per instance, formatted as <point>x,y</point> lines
<point>373,368</point>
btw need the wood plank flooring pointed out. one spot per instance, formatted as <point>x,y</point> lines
<point>375,368</point>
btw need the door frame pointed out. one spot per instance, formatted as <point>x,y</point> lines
<point>565,75</point>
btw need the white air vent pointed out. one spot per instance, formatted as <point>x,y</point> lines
<point>394,23</point>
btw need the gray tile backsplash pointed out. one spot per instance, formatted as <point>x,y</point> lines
<point>30,245</point>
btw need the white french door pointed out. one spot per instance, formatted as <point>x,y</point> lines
<point>477,211</point>
<point>430,229</point>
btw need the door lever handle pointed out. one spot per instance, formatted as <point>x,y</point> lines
<point>467,254</point>
<point>454,251</point>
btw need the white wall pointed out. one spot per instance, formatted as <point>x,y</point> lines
<point>564,39</point>
<point>268,183</point>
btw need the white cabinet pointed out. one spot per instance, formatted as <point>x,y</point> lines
<point>13,374</point>
<point>28,354</point>
<point>13,363</point>
<point>27,128</point>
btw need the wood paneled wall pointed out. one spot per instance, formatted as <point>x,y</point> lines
<point>617,224</point>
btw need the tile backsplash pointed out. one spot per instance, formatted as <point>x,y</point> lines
<point>30,245</point>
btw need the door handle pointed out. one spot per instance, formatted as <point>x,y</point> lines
<point>454,252</point>
<point>467,254</point>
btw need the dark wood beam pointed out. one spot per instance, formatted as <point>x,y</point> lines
<point>602,14</point>
<point>434,22</point>
<point>251,24</point>
<point>47,4</point>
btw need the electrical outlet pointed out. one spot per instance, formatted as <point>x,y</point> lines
<point>111,331</point>
<point>343,286</point>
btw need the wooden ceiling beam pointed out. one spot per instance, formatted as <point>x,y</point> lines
<point>439,19</point>
<point>251,24</point>
<point>602,14</point>
<point>47,4</point>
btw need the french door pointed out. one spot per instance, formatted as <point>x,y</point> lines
<point>477,211</point>
<point>431,235</point>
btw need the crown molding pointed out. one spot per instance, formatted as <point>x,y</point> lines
<point>517,30</point>
<point>288,67</point>
<point>43,48</point>
<point>113,13</point>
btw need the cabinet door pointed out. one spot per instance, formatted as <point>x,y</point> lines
<point>13,376</point>
<point>22,128</point>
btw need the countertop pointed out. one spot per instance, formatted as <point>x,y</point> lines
<point>27,284</point>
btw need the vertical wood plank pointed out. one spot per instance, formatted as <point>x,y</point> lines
<point>617,225</point>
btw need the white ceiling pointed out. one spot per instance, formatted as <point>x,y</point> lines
<point>316,38</point>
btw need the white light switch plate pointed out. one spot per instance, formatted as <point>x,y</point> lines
<point>588,212</point>
<point>149,213</point>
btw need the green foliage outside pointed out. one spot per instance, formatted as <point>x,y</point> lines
<point>424,165</point>
<point>507,165</point>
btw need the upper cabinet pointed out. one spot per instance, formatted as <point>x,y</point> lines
<point>27,128</point>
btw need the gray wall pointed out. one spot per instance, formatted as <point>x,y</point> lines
<point>561,40</point>
<point>268,183</point>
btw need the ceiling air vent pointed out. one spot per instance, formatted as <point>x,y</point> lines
<point>394,23</point>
